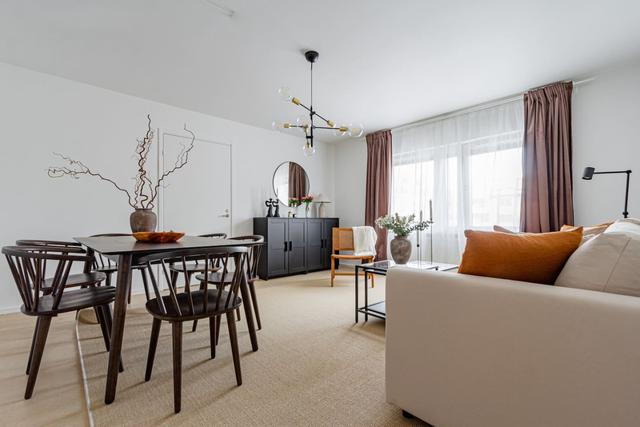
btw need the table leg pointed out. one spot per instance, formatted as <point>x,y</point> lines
<point>244,290</point>
<point>123,284</point>
<point>366,295</point>
<point>356,294</point>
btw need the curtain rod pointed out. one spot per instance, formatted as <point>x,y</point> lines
<point>476,107</point>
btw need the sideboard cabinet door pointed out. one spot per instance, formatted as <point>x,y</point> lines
<point>277,238</point>
<point>297,246</point>
<point>315,244</point>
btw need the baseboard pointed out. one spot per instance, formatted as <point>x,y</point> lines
<point>10,310</point>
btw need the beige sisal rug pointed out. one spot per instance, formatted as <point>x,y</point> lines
<point>314,365</point>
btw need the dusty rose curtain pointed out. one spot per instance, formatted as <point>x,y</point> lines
<point>297,181</point>
<point>547,190</point>
<point>378,185</point>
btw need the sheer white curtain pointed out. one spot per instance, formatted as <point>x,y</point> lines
<point>470,165</point>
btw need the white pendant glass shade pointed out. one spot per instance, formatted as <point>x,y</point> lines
<point>355,130</point>
<point>308,150</point>
<point>284,94</point>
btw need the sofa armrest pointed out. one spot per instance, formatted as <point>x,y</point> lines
<point>470,350</point>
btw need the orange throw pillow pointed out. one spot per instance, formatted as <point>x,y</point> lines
<point>528,257</point>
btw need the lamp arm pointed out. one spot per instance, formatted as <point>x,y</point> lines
<point>610,172</point>
<point>626,196</point>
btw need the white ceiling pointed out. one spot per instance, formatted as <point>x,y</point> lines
<point>382,63</point>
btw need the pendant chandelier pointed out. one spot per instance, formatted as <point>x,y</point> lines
<point>307,125</point>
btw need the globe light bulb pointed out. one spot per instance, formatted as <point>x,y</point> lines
<point>308,149</point>
<point>355,130</point>
<point>284,94</point>
<point>341,130</point>
<point>277,125</point>
<point>302,121</point>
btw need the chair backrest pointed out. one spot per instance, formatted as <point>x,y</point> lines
<point>215,235</point>
<point>29,266</point>
<point>342,239</point>
<point>254,253</point>
<point>38,242</point>
<point>206,255</point>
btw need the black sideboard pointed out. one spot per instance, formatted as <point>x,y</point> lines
<point>294,245</point>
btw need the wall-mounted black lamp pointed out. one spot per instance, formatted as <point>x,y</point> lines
<point>590,171</point>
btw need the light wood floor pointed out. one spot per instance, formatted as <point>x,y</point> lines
<point>58,398</point>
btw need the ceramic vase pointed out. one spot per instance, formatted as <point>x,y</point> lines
<point>143,220</point>
<point>400,249</point>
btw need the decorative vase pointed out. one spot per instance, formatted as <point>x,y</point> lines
<point>400,249</point>
<point>306,209</point>
<point>143,220</point>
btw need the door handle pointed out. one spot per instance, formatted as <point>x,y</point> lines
<point>285,245</point>
<point>290,245</point>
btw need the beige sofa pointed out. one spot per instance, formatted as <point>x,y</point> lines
<point>474,351</point>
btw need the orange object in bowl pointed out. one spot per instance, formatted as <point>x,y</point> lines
<point>158,236</point>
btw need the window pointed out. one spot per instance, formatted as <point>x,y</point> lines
<point>469,165</point>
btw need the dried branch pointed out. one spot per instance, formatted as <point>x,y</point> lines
<point>142,178</point>
<point>182,160</point>
<point>77,168</point>
<point>145,192</point>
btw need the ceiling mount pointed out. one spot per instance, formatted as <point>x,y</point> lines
<point>311,55</point>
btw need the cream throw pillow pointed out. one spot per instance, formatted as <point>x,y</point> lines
<point>609,262</point>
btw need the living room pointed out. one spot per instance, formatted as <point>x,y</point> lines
<point>409,213</point>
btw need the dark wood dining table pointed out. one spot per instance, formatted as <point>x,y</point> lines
<point>127,251</point>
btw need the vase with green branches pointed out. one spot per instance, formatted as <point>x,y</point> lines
<point>401,226</point>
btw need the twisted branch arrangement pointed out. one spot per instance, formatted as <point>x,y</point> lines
<point>145,191</point>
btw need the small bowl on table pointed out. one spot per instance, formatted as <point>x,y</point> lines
<point>158,236</point>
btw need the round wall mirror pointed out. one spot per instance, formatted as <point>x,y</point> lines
<point>290,180</point>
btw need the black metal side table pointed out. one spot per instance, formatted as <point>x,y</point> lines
<point>378,309</point>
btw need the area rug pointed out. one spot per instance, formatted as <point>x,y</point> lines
<point>315,366</point>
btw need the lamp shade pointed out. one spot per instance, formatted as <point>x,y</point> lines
<point>588,173</point>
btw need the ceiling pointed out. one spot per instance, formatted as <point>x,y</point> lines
<point>382,63</point>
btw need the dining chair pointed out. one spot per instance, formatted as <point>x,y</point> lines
<point>253,257</point>
<point>195,267</point>
<point>45,296</point>
<point>178,307</point>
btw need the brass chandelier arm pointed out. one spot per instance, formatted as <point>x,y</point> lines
<point>330,123</point>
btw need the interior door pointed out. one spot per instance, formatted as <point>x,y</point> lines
<point>196,198</point>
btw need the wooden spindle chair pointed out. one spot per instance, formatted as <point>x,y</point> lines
<point>45,297</point>
<point>253,256</point>
<point>178,307</point>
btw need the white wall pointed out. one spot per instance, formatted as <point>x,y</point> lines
<point>42,113</point>
<point>606,135</point>
<point>350,166</point>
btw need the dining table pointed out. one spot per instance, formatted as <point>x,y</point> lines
<point>126,250</point>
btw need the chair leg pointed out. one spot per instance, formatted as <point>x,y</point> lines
<point>33,343</point>
<point>238,314</point>
<point>212,335</point>
<point>106,315</point>
<point>176,332</point>
<point>254,302</point>
<point>233,337</point>
<point>333,270</point>
<point>153,343</point>
<point>103,327</point>
<point>218,323</point>
<point>41,338</point>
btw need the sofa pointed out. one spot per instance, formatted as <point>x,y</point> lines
<point>465,350</point>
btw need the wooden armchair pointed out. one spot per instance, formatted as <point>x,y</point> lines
<point>343,241</point>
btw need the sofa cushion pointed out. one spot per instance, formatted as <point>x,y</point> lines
<point>610,262</point>
<point>527,257</point>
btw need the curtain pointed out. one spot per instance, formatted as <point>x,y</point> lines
<point>469,165</point>
<point>297,181</point>
<point>378,185</point>
<point>547,190</point>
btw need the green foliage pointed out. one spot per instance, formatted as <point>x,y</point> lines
<point>401,226</point>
